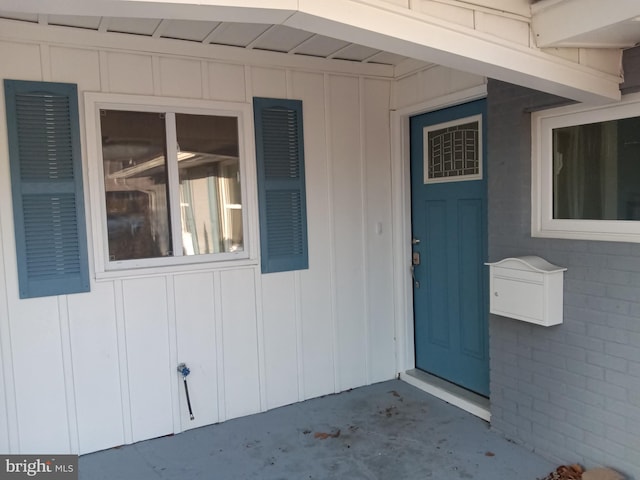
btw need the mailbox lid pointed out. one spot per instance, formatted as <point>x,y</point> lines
<point>528,263</point>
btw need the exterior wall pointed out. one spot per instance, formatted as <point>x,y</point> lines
<point>431,83</point>
<point>89,371</point>
<point>571,392</point>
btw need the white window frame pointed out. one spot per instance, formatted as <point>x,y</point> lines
<point>94,102</point>
<point>542,125</point>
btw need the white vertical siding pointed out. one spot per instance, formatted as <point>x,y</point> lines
<point>240,343</point>
<point>316,288</point>
<point>129,73</point>
<point>226,82</point>
<point>96,372</point>
<point>268,82</point>
<point>20,61</point>
<point>278,290</point>
<point>7,399</point>
<point>346,158</point>
<point>38,375</point>
<point>196,342</point>
<point>431,83</point>
<point>378,221</point>
<point>180,78</point>
<point>252,341</point>
<point>75,65</point>
<point>4,414</point>
<point>280,338</point>
<point>8,420</point>
<point>147,336</point>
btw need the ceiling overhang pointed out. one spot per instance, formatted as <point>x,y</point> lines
<point>374,23</point>
<point>454,46</point>
<point>586,23</point>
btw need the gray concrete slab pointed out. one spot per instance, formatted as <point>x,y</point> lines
<point>390,430</point>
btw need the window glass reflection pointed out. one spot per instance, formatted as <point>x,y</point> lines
<point>596,171</point>
<point>135,180</point>
<point>210,194</point>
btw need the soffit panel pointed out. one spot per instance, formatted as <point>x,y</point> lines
<point>387,58</point>
<point>275,38</point>
<point>281,39</point>
<point>193,30</point>
<point>91,23</point>
<point>136,26</point>
<point>26,17</point>
<point>586,23</point>
<point>355,52</point>
<point>237,34</point>
<point>621,35</point>
<point>321,46</point>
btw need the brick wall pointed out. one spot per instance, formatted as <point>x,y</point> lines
<point>570,392</point>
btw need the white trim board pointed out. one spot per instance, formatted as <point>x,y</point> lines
<point>450,393</point>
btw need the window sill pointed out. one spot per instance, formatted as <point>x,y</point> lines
<point>597,230</point>
<point>183,268</point>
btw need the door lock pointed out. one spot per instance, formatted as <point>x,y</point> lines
<point>416,283</point>
<point>415,261</point>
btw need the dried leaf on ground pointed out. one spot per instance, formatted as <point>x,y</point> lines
<point>566,472</point>
<point>324,435</point>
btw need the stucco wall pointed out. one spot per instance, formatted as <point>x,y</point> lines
<point>571,392</point>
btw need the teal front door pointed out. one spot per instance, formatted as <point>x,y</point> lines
<point>449,227</point>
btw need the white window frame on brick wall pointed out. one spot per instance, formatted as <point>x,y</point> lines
<point>542,125</point>
<point>104,268</point>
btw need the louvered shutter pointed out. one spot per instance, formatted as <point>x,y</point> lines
<point>46,184</point>
<point>281,184</point>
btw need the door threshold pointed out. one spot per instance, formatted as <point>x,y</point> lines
<point>468,401</point>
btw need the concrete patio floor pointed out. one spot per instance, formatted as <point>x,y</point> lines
<point>390,430</point>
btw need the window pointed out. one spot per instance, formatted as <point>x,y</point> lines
<point>586,172</point>
<point>46,184</point>
<point>171,177</point>
<point>453,151</point>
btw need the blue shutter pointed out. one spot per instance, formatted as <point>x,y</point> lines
<point>281,184</point>
<point>46,184</point>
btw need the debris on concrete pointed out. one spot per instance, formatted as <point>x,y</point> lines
<point>576,472</point>
<point>324,435</point>
<point>601,474</point>
<point>566,472</point>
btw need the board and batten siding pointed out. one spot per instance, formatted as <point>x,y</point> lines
<point>89,371</point>
<point>429,84</point>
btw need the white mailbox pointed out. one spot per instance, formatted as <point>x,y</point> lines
<point>527,288</point>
